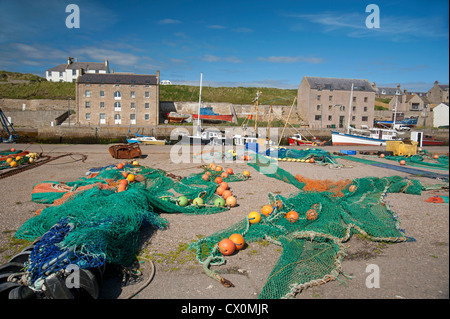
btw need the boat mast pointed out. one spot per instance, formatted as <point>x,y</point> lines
<point>350,110</point>
<point>395,112</point>
<point>199,104</point>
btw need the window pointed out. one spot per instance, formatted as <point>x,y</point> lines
<point>318,97</point>
<point>117,119</point>
<point>330,98</point>
<point>117,95</point>
<point>102,118</point>
<point>318,107</point>
<point>147,117</point>
<point>132,118</point>
<point>353,118</point>
<point>102,105</point>
<point>88,116</point>
<point>147,94</point>
<point>365,118</point>
<point>147,105</point>
<point>318,117</point>
<point>365,108</point>
<point>366,99</point>
<point>354,108</point>
<point>117,107</point>
<point>87,93</point>
<point>330,107</point>
<point>74,72</point>
<point>330,118</point>
<point>354,99</point>
<point>133,105</point>
<point>102,93</point>
<point>133,95</point>
<point>87,104</point>
<point>60,74</point>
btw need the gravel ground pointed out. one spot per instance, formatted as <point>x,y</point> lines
<point>410,270</point>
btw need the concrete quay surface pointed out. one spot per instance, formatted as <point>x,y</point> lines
<point>409,270</point>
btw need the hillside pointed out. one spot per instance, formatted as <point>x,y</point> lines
<point>40,88</point>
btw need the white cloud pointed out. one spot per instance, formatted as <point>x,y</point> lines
<point>214,58</point>
<point>169,21</point>
<point>354,24</point>
<point>216,26</point>
<point>290,59</point>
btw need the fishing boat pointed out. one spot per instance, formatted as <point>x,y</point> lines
<point>207,114</point>
<point>369,136</point>
<point>174,117</point>
<point>143,139</point>
<point>373,136</point>
<point>429,140</point>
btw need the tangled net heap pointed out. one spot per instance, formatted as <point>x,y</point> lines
<point>90,223</point>
<point>313,249</point>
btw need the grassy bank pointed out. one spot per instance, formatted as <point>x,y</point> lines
<point>40,88</point>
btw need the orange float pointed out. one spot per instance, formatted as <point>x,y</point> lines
<point>218,180</point>
<point>238,241</point>
<point>205,177</point>
<point>231,201</point>
<point>218,168</point>
<point>402,162</point>
<point>121,188</point>
<point>119,166</point>
<point>220,190</point>
<point>224,185</point>
<point>246,173</point>
<point>226,246</point>
<point>224,175</point>
<point>292,216</point>
<point>226,194</point>
<point>267,210</point>
<point>311,214</point>
<point>352,188</point>
<point>229,171</point>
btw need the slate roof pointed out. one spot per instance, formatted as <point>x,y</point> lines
<point>112,78</point>
<point>388,91</point>
<point>319,83</point>
<point>87,66</point>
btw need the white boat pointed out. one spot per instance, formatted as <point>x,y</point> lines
<point>146,140</point>
<point>374,136</point>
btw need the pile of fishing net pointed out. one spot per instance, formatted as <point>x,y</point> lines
<point>18,156</point>
<point>90,223</point>
<point>313,245</point>
<point>301,155</point>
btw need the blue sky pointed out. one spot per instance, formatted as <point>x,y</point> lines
<point>235,43</point>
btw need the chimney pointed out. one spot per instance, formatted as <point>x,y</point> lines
<point>157,76</point>
<point>69,60</point>
<point>398,86</point>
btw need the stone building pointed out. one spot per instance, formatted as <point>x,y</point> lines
<point>70,71</point>
<point>386,92</point>
<point>325,102</point>
<point>438,93</point>
<point>117,99</point>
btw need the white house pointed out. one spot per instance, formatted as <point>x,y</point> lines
<point>165,82</point>
<point>440,115</point>
<point>70,71</point>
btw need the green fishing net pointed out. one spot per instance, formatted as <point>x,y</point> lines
<point>104,223</point>
<point>313,248</point>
